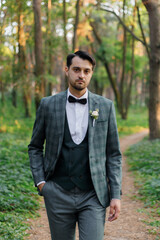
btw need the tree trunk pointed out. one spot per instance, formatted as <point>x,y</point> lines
<point>14,96</point>
<point>153,8</point>
<point>14,76</point>
<point>98,89</point>
<point>2,91</point>
<point>64,28</point>
<point>39,66</point>
<point>64,79</point>
<point>22,63</point>
<point>2,26</point>
<point>123,92</point>
<point>123,112</point>
<point>49,47</point>
<point>76,25</point>
<point>108,70</point>
<point>27,102</point>
<point>129,88</point>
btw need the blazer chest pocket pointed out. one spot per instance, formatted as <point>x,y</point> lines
<point>102,124</point>
<point>102,120</point>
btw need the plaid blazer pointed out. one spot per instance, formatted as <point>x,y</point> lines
<point>103,142</point>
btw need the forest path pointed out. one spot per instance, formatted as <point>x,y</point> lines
<point>128,226</point>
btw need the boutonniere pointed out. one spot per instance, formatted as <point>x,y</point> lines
<point>94,115</point>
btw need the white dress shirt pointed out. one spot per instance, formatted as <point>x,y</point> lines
<point>77,116</point>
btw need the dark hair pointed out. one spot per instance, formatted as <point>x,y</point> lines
<point>83,55</point>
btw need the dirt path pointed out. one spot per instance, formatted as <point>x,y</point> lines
<point>130,224</point>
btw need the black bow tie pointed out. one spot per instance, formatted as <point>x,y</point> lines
<point>73,100</point>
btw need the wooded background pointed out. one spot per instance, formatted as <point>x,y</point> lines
<point>123,36</point>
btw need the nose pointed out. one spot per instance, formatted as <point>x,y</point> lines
<point>81,74</point>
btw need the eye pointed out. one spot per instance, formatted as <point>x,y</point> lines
<point>76,69</point>
<point>87,71</point>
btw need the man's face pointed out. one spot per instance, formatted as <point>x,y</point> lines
<point>79,74</point>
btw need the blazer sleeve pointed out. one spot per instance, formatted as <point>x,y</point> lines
<point>114,157</point>
<point>35,148</point>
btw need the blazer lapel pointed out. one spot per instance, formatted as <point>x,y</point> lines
<point>60,117</point>
<point>93,105</point>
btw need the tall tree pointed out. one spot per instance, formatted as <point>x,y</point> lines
<point>22,61</point>
<point>2,26</point>
<point>128,94</point>
<point>14,76</point>
<point>124,52</point>
<point>65,39</point>
<point>153,8</point>
<point>78,2</point>
<point>153,53</point>
<point>64,27</point>
<point>122,86</point>
<point>39,66</point>
<point>49,45</point>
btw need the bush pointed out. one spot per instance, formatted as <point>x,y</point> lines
<point>18,196</point>
<point>144,160</point>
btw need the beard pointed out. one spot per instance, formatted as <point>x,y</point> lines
<point>77,86</point>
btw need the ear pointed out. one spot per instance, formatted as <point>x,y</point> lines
<point>66,70</point>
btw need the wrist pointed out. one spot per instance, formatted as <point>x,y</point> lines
<point>40,183</point>
<point>40,186</point>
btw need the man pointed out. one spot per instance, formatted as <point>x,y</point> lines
<point>80,173</point>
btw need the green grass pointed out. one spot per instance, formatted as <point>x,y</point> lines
<point>137,121</point>
<point>144,160</point>
<point>18,196</point>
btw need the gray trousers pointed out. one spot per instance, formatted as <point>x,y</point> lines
<point>65,208</point>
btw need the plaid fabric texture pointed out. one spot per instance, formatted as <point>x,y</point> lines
<point>103,142</point>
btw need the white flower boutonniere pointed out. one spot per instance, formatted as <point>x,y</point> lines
<point>94,115</point>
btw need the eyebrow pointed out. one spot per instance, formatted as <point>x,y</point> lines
<point>80,68</point>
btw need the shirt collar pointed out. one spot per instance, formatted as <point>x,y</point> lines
<point>83,96</point>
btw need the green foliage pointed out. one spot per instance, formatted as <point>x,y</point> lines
<point>12,226</point>
<point>137,121</point>
<point>108,46</point>
<point>144,161</point>
<point>140,63</point>
<point>100,77</point>
<point>5,51</point>
<point>50,78</point>
<point>19,197</point>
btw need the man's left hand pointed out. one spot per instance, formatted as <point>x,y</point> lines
<point>115,206</point>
